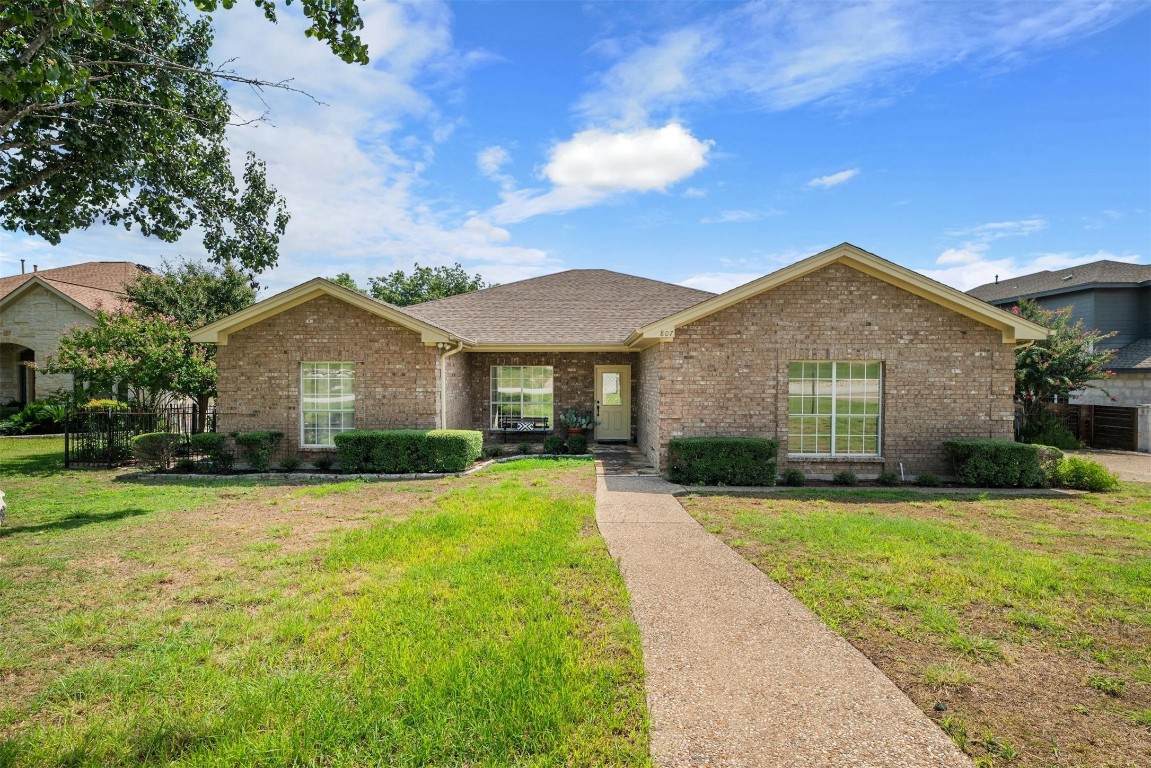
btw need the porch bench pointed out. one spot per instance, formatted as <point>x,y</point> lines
<point>522,425</point>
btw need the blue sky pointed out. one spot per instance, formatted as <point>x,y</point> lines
<point>698,143</point>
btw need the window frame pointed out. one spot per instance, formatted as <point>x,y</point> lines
<point>304,411</point>
<point>834,416</point>
<point>495,403</point>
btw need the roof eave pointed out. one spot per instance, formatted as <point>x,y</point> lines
<point>36,280</point>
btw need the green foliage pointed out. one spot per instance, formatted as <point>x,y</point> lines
<point>554,444</point>
<point>1002,463</point>
<point>106,404</point>
<point>845,477</point>
<point>494,451</point>
<point>1085,475</point>
<point>574,417</point>
<point>1064,362</point>
<point>156,449</point>
<point>404,451</point>
<point>1112,686</point>
<point>290,463</point>
<point>192,294</point>
<point>257,448</point>
<point>888,478</point>
<point>722,460</point>
<point>149,354</point>
<point>525,448</point>
<point>424,284</point>
<point>186,464</point>
<point>345,280</point>
<point>577,444</point>
<point>114,113</point>
<point>36,418</point>
<point>1045,428</point>
<point>928,480</point>
<point>213,447</point>
<point>324,462</point>
<point>793,476</point>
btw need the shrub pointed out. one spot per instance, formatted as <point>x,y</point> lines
<point>156,448</point>
<point>290,463</point>
<point>258,448</point>
<point>722,460</point>
<point>403,451</point>
<point>324,462</point>
<point>494,451</point>
<point>1002,463</point>
<point>1085,475</point>
<point>927,480</point>
<point>106,404</point>
<point>554,444</point>
<point>525,448</point>
<point>846,477</point>
<point>794,477</point>
<point>1047,429</point>
<point>36,418</point>
<point>888,478</point>
<point>185,464</point>
<point>577,444</point>
<point>213,446</point>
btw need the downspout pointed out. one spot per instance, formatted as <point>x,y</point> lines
<point>444,382</point>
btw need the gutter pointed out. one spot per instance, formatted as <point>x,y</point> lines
<point>444,381</point>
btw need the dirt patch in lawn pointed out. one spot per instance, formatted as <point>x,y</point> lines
<point>1021,625</point>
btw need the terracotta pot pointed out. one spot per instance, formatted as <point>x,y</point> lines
<point>576,430</point>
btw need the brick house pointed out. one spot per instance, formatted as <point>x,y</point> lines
<point>38,307</point>
<point>850,361</point>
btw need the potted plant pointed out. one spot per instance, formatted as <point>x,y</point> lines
<point>576,421</point>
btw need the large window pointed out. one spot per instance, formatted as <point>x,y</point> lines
<point>521,391</point>
<point>833,408</point>
<point>327,401</point>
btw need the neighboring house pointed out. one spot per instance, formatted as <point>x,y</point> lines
<point>850,361</point>
<point>1107,296</point>
<point>38,307</point>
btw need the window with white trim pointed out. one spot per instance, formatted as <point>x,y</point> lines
<point>327,401</point>
<point>521,391</point>
<point>834,407</point>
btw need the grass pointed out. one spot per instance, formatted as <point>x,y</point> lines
<point>1025,620</point>
<point>467,621</point>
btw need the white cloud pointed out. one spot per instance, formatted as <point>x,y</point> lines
<point>834,179</point>
<point>779,56</point>
<point>967,275</point>
<point>739,216</point>
<point>695,193</point>
<point>719,282</point>
<point>597,164</point>
<point>985,233</point>
<point>491,159</point>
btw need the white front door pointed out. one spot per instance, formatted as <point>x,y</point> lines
<point>613,402</point>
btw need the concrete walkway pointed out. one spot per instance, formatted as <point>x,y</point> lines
<point>739,673</point>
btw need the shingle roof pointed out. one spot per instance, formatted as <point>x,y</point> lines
<point>1063,280</point>
<point>580,306</point>
<point>1136,355</point>
<point>93,284</point>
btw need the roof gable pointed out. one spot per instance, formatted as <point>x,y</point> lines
<point>90,286</point>
<point>218,332</point>
<point>1013,327</point>
<point>1053,282</point>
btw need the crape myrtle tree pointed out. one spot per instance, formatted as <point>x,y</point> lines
<point>423,284</point>
<point>1066,361</point>
<point>111,111</point>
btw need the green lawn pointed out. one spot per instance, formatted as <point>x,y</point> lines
<point>1022,625</point>
<point>468,621</point>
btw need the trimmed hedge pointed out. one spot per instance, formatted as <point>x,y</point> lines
<point>213,446</point>
<point>722,460</point>
<point>404,451</point>
<point>1002,463</point>
<point>156,449</point>
<point>258,448</point>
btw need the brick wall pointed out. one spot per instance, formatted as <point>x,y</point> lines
<point>945,375</point>
<point>259,369</point>
<point>1128,388</point>
<point>36,320</point>
<point>459,391</point>
<point>573,387</point>
<point>648,432</point>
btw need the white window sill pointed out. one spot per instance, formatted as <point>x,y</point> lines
<point>305,446</point>
<point>829,458</point>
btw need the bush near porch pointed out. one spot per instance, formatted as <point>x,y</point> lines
<point>722,460</point>
<point>403,451</point>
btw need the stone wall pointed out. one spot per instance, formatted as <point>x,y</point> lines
<point>945,375</point>
<point>259,370</point>
<point>573,387</point>
<point>37,320</point>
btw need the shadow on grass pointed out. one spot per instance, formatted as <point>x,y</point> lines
<point>72,521</point>
<point>879,495</point>
<point>38,464</point>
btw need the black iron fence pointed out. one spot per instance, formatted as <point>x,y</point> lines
<point>103,438</point>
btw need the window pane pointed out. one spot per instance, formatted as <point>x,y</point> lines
<point>327,401</point>
<point>521,391</point>
<point>844,393</point>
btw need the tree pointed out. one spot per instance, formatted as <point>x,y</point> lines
<point>346,280</point>
<point>110,110</point>
<point>150,354</point>
<point>424,284</point>
<point>1066,361</point>
<point>193,294</point>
